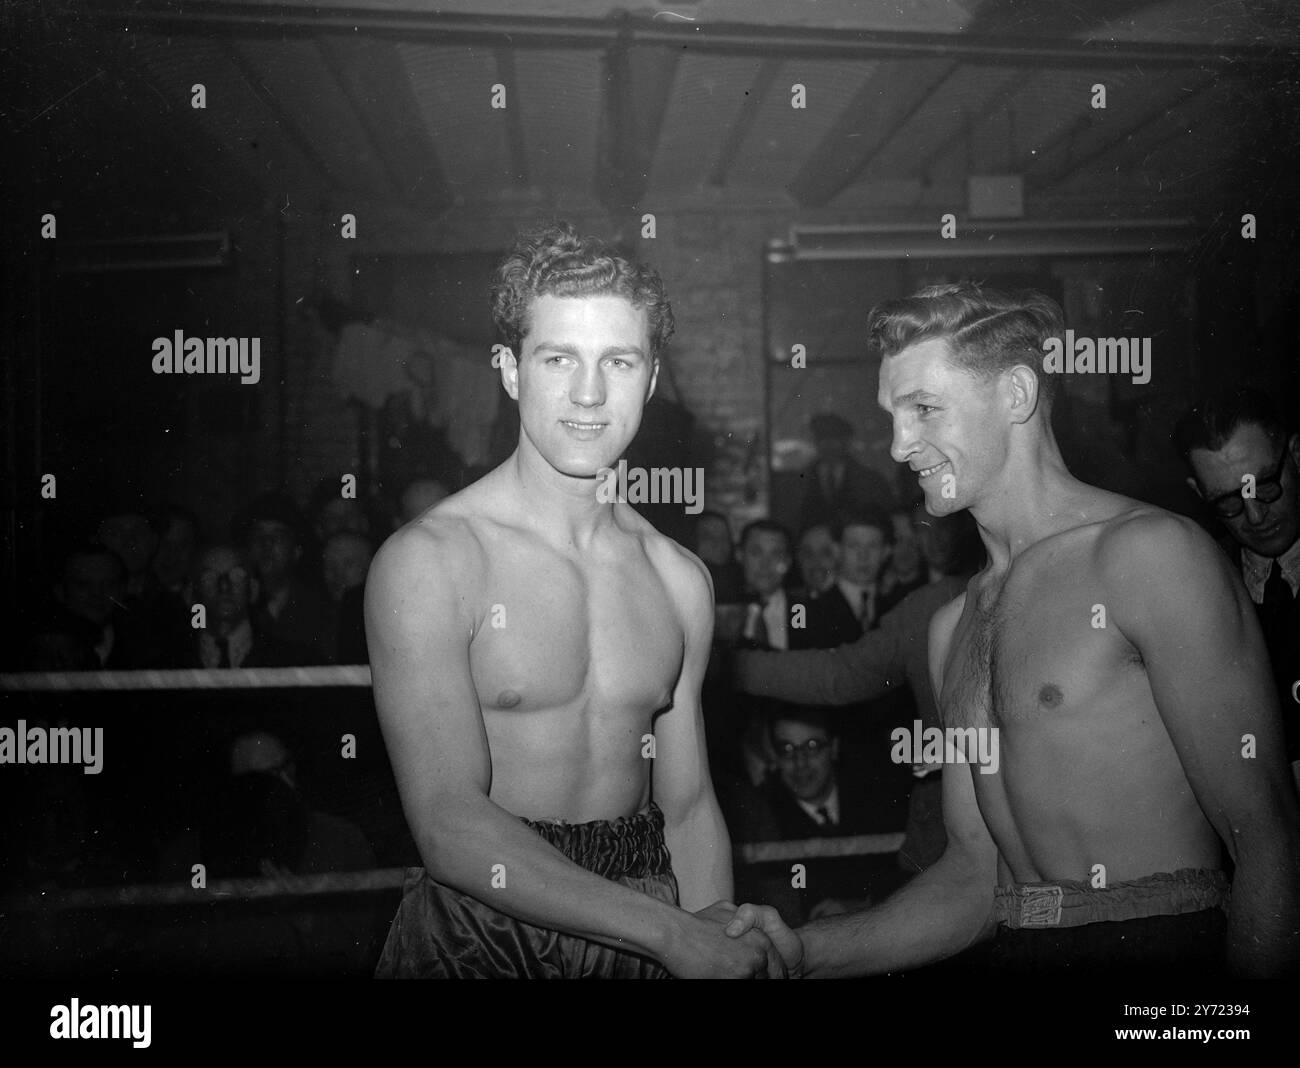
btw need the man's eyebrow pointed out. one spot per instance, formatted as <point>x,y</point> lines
<point>915,395</point>
<point>572,350</point>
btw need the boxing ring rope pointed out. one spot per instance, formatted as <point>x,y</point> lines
<point>187,679</point>
<point>224,890</point>
<point>360,882</point>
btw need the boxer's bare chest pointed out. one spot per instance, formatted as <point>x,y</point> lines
<point>558,630</point>
<point>1034,644</point>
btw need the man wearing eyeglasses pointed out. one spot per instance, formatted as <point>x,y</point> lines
<point>223,583</point>
<point>1247,470</point>
<point>809,798</point>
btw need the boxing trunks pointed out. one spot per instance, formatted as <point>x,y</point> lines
<point>441,933</point>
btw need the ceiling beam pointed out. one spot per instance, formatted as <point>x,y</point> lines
<point>252,77</point>
<point>1074,166</point>
<point>376,80</point>
<point>1014,84</point>
<point>518,31</point>
<point>329,56</point>
<point>639,86</point>
<point>514,116</point>
<point>762,85</point>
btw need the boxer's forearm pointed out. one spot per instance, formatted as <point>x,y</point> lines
<point>701,851</point>
<point>1264,916</point>
<point>487,853</point>
<point>937,915</point>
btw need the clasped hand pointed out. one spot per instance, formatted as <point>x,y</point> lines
<point>749,942</point>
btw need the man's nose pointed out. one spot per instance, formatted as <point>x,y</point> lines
<point>1256,512</point>
<point>588,388</point>
<point>901,445</point>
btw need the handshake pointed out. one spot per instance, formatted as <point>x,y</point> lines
<point>726,942</point>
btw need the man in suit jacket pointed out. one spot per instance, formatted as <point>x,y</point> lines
<point>90,626</point>
<point>809,798</point>
<point>1246,467</point>
<point>835,481</point>
<point>856,600</point>
<point>225,586</point>
<point>289,606</point>
<point>764,562</point>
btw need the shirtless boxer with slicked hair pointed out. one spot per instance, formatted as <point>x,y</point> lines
<point>1117,655</point>
<point>537,655</point>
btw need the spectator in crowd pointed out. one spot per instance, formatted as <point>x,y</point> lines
<point>809,798</point>
<point>855,602</point>
<point>154,610</point>
<point>835,481</point>
<point>330,843</point>
<point>818,558</point>
<point>764,562</point>
<point>90,626</point>
<point>129,534</point>
<point>226,587</point>
<point>805,794</point>
<point>289,608</point>
<point>1246,467</point>
<point>332,513</point>
<point>345,559</point>
<point>712,544</point>
<point>906,570</point>
<point>173,560</point>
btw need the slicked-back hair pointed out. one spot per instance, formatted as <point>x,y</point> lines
<point>554,259</point>
<point>988,331</point>
<point>1214,419</point>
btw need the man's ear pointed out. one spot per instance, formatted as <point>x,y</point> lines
<point>654,378</point>
<point>1195,488</point>
<point>1022,393</point>
<point>1293,445</point>
<point>509,365</point>
<point>835,749</point>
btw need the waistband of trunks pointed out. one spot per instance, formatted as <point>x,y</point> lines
<point>1073,903</point>
<point>629,847</point>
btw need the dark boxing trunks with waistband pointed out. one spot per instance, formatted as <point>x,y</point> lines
<point>1167,921</point>
<point>440,932</point>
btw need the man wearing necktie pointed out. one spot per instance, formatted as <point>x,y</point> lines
<point>764,561</point>
<point>808,798</point>
<point>1247,470</point>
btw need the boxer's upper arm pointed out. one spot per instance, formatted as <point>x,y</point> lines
<point>418,629</point>
<point>1173,595</point>
<point>680,770</point>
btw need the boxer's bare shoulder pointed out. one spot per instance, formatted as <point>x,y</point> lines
<point>682,572</point>
<point>1146,537</point>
